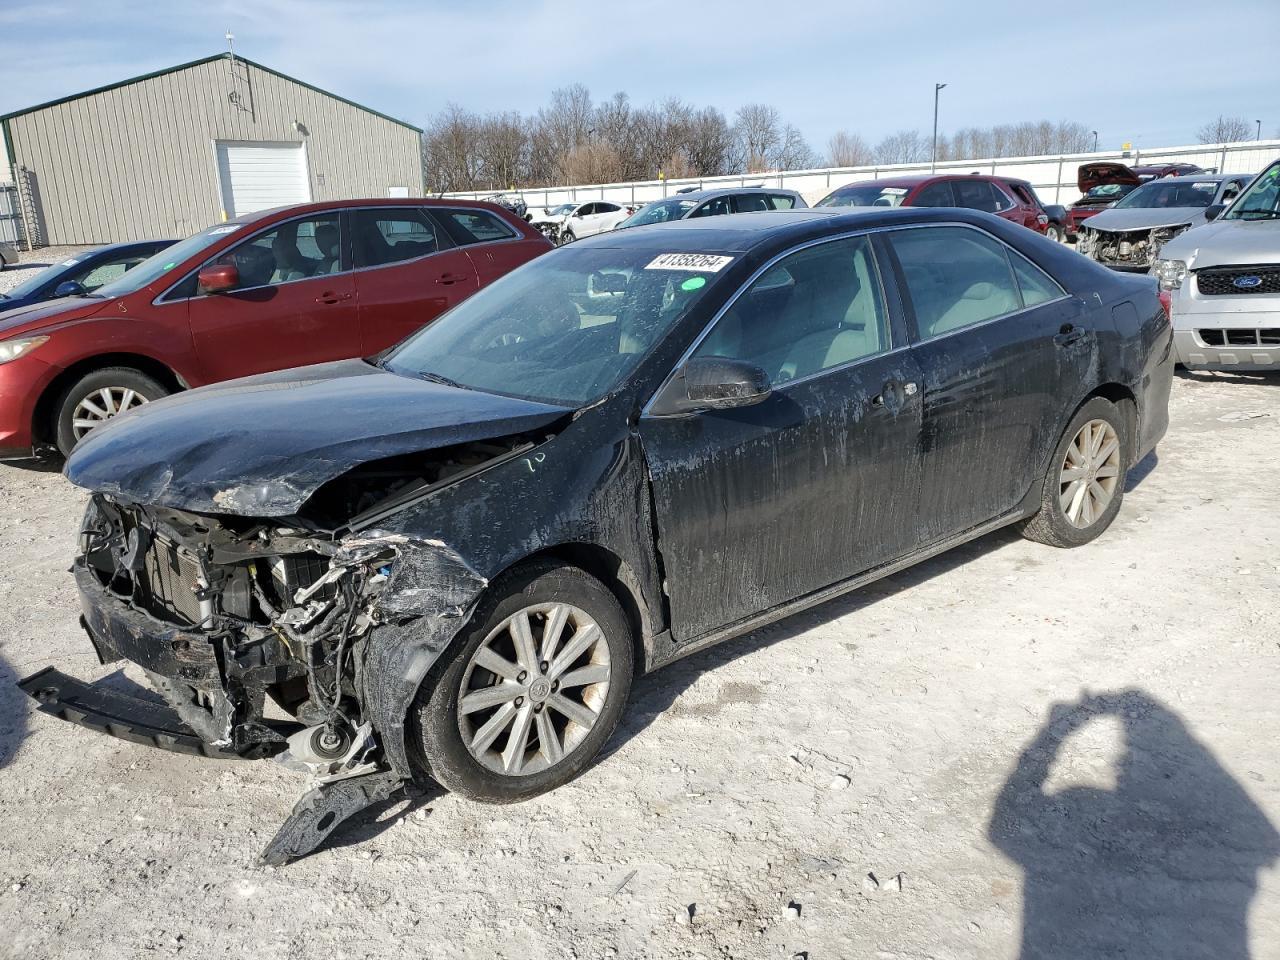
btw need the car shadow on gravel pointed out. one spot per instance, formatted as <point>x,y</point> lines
<point>13,714</point>
<point>1162,862</point>
<point>1257,378</point>
<point>655,694</point>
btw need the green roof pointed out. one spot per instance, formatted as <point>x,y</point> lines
<point>196,63</point>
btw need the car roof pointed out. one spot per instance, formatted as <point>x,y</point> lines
<point>743,232</point>
<point>108,248</point>
<point>722,191</point>
<point>916,179</point>
<point>317,206</point>
<point>1202,178</point>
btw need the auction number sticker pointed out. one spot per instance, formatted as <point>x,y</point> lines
<point>699,262</point>
<point>895,191</point>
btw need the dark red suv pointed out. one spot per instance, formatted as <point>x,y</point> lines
<point>1014,200</point>
<point>269,290</point>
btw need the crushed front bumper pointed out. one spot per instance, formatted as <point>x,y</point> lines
<point>106,707</point>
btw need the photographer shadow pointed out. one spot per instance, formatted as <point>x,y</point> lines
<point>1164,866</point>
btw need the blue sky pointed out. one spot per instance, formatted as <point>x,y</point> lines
<point>1151,77</point>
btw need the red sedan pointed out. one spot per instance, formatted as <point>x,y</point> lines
<point>269,290</point>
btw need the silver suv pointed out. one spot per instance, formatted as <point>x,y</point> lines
<point>1221,283</point>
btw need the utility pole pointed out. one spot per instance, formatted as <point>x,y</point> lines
<point>933,164</point>
<point>1095,141</point>
<point>1259,123</point>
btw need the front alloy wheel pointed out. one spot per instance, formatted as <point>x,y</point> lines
<point>534,689</point>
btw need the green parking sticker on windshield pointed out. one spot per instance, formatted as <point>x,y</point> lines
<point>694,283</point>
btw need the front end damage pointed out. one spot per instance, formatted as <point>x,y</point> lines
<point>1126,249</point>
<point>265,638</point>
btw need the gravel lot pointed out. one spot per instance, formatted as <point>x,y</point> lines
<point>919,732</point>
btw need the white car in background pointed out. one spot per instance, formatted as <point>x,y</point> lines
<point>1221,283</point>
<point>573,221</point>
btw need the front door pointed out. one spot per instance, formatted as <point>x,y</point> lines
<point>1000,347</point>
<point>294,305</point>
<point>408,272</point>
<point>760,505</point>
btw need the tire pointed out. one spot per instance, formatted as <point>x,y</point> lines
<point>125,384</point>
<point>1055,233</point>
<point>566,236</point>
<point>1081,521</point>
<point>443,732</point>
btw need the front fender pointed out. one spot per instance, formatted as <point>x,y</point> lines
<point>428,598</point>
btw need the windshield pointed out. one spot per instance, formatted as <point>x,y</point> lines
<point>161,263</point>
<point>1170,193</point>
<point>865,195</point>
<point>563,210</point>
<point>660,212</point>
<point>565,329</point>
<point>1261,201</point>
<point>1109,191</point>
<point>34,283</point>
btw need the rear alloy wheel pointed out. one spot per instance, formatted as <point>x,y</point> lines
<point>1085,483</point>
<point>99,396</point>
<point>535,690</point>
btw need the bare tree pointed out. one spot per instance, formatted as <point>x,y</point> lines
<point>451,150</point>
<point>758,134</point>
<point>794,152</point>
<point>846,149</point>
<point>905,146</point>
<point>709,145</point>
<point>504,148</point>
<point>1225,130</point>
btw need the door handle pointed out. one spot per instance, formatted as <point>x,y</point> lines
<point>896,392</point>
<point>330,297</point>
<point>1069,334</point>
<point>448,278</point>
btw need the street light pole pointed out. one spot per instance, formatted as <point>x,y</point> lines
<point>1259,123</point>
<point>1095,141</point>
<point>937,89</point>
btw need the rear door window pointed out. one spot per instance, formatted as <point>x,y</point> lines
<point>393,235</point>
<point>750,203</point>
<point>956,277</point>
<point>780,201</point>
<point>1035,285</point>
<point>975,194</point>
<point>472,226</point>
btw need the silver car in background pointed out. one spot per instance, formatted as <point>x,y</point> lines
<point>1129,235</point>
<point>1221,283</point>
<point>8,254</point>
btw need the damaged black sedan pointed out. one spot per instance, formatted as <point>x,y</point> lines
<point>450,562</point>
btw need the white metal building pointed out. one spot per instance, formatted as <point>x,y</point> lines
<point>168,153</point>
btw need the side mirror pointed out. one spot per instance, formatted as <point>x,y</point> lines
<point>218,278</point>
<point>1213,211</point>
<point>69,288</point>
<point>718,383</point>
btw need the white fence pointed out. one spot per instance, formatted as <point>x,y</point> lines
<point>1054,177</point>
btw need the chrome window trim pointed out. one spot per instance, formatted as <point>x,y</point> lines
<point>746,285</point>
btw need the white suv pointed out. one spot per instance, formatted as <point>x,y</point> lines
<point>1221,283</point>
<point>573,221</point>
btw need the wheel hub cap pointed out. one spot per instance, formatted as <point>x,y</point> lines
<point>102,405</point>
<point>534,688</point>
<point>1090,473</point>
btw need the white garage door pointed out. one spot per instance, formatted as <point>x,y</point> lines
<point>255,176</point>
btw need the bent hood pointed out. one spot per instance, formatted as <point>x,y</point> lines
<point>35,316</point>
<point>259,447</point>
<point>1145,218</point>
<point>1226,243</point>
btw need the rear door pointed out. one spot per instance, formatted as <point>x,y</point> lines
<point>715,207</point>
<point>295,303</point>
<point>760,505</point>
<point>1001,348</point>
<point>751,203</point>
<point>408,272</point>
<point>493,245</point>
